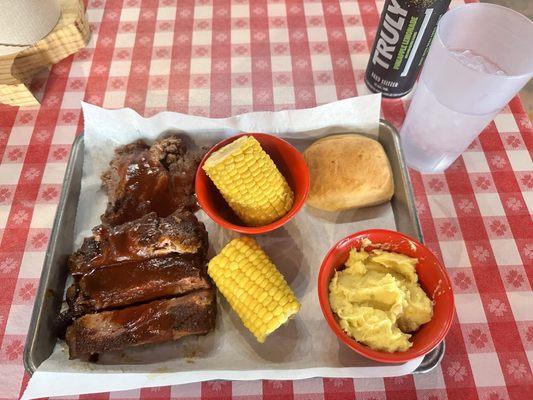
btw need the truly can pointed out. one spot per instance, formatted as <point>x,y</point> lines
<point>402,41</point>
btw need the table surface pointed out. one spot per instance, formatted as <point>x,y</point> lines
<point>224,57</point>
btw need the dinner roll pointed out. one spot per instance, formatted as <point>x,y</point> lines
<point>348,171</point>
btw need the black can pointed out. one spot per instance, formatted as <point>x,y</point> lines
<point>402,42</point>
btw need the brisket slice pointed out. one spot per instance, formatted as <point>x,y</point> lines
<point>146,237</point>
<point>155,322</point>
<point>134,282</point>
<point>143,179</point>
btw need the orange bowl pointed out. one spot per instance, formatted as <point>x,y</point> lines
<point>288,160</point>
<point>432,277</point>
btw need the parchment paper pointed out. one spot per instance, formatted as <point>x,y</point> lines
<point>303,348</point>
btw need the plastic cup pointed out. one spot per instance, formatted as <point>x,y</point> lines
<point>454,101</point>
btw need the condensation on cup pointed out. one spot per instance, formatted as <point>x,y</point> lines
<point>481,57</point>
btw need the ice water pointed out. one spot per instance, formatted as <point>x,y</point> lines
<point>434,135</point>
<point>477,62</point>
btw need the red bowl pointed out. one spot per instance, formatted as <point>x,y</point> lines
<point>432,277</point>
<point>288,160</point>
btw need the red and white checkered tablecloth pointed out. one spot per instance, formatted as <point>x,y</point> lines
<point>227,57</point>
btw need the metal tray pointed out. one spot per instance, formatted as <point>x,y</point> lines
<point>42,334</point>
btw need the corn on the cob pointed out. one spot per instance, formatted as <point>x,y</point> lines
<point>250,182</point>
<point>253,286</point>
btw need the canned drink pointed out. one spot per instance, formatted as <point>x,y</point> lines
<point>402,41</point>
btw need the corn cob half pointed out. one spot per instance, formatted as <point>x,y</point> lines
<point>250,182</point>
<point>253,287</point>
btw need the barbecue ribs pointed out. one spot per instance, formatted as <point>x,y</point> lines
<point>146,237</point>
<point>155,322</point>
<point>143,179</point>
<point>134,282</point>
<point>141,277</point>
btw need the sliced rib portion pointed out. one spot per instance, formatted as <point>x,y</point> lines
<point>155,322</point>
<point>134,282</point>
<point>146,237</point>
<point>143,179</point>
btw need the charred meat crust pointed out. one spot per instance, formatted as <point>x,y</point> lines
<point>169,152</point>
<point>146,237</point>
<point>155,322</point>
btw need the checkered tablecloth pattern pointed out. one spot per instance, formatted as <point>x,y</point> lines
<point>227,57</point>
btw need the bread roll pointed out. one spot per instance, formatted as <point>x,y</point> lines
<point>348,171</point>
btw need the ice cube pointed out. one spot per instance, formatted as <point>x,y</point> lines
<point>477,62</point>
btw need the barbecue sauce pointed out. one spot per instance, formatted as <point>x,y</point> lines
<point>147,187</point>
<point>161,317</point>
<point>135,282</point>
